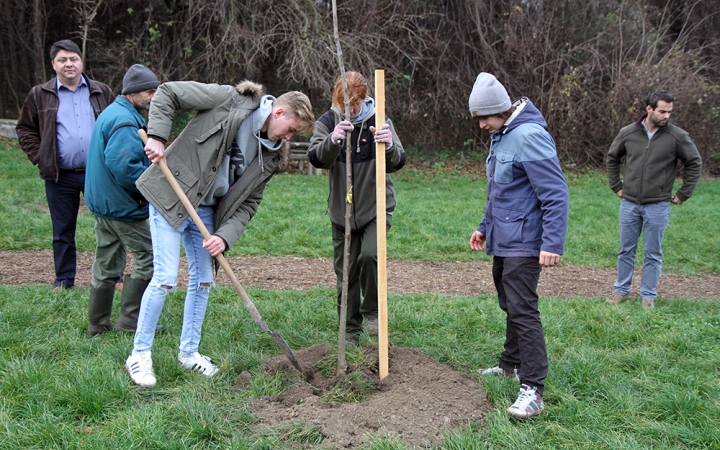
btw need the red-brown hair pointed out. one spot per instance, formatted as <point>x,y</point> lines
<point>357,90</point>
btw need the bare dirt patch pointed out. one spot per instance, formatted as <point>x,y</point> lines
<point>404,277</point>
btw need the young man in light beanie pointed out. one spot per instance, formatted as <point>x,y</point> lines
<point>523,229</point>
<point>116,160</point>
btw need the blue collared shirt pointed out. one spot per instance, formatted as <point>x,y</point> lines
<point>74,124</point>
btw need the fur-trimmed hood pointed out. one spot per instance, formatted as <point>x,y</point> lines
<point>250,89</point>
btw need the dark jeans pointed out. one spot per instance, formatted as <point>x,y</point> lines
<point>516,280</point>
<point>363,278</point>
<point>64,202</point>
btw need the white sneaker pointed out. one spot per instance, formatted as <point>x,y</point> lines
<point>198,362</point>
<point>500,372</point>
<point>139,366</point>
<point>529,403</point>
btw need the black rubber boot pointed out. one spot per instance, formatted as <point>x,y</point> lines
<point>130,306</point>
<point>99,310</point>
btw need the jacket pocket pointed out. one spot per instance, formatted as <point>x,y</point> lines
<point>504,167</point>
<point>183,174</point>
<point>209,133</point>
<point>508,227</point>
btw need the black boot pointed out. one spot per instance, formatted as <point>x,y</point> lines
<point>99,309</point>
<point>130,306</point>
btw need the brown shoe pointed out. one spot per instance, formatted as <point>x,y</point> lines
<point>616,298</point>
<point>648,304</point>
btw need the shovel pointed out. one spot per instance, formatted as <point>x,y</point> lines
<point>223,262</point>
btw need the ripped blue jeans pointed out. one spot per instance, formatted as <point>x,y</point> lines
<point>166,264</point>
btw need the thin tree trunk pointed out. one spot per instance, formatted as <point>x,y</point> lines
<point>342,364</point>
<point>38,73</point>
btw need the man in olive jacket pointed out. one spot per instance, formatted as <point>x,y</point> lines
<point>651,149</point>
<point>222,159</point>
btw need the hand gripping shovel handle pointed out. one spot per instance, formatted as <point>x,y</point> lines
<point>221,258</point>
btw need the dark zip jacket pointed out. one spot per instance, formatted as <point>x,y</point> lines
<point>651,165</point>
<point>323,154</point>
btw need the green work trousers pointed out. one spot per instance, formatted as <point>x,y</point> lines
<point>114,240</point>
<point>362,298</point>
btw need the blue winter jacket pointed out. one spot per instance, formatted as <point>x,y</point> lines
<point>116,159</point>
<point>527,196</point>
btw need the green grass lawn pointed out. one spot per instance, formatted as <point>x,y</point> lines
<point>620,377</point>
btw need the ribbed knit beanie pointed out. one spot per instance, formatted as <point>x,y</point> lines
<point>139,78</point>
<point>488,96</point>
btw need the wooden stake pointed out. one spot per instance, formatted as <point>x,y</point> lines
<point>381,226</point>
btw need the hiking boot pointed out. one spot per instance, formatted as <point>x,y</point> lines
<point>139,366</point>
<point>352,340</point>
<point>198,362</point>
<point>529,403</point>
<point>501,372</point>
<point>648,304</point>
<point>616,299</point>
<point>371,325</point>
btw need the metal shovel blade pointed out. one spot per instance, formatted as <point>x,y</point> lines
<point>286,349</point>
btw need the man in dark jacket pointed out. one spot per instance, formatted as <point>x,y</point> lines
<point>54,130</point>
<point>651,149</point>
<point>524,229</point>
<point>115,161</point>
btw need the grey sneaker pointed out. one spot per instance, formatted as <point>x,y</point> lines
<point>371,325</point>
<point>198,362</point>
<point>529,403</point>
<point>501,372</point>
<point>648,304</point>
<point>616,298</point>
<point>352,340</point>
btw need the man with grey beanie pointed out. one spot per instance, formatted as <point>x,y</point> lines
<point>524,229</point>
<point>116,159</point>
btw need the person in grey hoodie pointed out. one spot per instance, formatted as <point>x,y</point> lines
<point>327,151</point>
<point>222,159</point>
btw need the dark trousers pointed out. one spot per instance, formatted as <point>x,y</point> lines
<point>362,297</point>
<point>516,280</point>
<point>64,203</point>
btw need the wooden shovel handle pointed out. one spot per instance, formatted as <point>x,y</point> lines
<point>206,235</point>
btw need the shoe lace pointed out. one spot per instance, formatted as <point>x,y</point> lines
<point>525,397</point>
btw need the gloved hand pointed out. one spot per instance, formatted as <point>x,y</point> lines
<point>341,128</point>
<point>383,135</point>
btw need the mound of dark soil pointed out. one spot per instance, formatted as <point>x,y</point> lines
<point>418,400</point>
